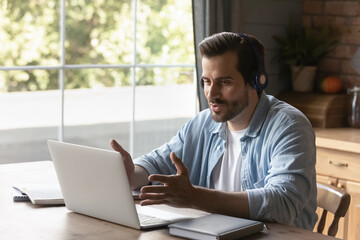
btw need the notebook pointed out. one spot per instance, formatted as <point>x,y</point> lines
<point>94,183</point>
<point>41,194</point>
<point>19,196</point>
<point>215,227</point>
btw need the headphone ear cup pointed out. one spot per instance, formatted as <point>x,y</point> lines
<point>260,80</point>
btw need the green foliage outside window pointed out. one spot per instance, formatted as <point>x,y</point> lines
<point>97,32</point>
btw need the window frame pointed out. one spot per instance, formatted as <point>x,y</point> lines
<point>62,67</point>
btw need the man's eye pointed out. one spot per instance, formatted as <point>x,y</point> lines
<point>206,82</point>
<point>225,82</point>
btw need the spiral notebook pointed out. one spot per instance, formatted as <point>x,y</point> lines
<point>19,196</point>
<point>41,194</point>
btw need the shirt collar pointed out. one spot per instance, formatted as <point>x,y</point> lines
<point>259,115</point>
<point>219,128</point>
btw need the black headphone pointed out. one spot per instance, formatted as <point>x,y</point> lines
<point>260,79</point>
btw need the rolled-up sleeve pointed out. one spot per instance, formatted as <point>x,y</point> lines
<point>158,160</point>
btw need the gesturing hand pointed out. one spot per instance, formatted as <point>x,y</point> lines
<point>129,165</point>
<point>176,191</point>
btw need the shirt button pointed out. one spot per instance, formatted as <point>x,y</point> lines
<point>218,148</point>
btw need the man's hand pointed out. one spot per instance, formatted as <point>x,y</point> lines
<point>137,175</point>
<point>129,165</point>
<point>176,191</point>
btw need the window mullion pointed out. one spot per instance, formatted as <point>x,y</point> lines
<point>133,82</point>
<point>62,68</point>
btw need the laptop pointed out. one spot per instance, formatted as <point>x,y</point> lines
<point>94,183</point>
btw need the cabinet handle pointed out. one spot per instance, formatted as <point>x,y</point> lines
<point>338,164</point>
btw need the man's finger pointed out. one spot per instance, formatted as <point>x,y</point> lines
<point>178,164</point>
<point>152,202</point>
<point>154,189</point>
<point>160,178</point>
<point>117,147</point>
<point>152,196</point>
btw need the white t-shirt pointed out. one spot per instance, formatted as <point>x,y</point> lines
<point>226,174</point>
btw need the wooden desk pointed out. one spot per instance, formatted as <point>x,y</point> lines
<point>22,220</point>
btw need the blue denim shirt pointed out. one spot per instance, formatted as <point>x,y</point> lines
<point>278,160</point>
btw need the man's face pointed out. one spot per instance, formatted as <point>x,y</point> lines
<point>225,88</point>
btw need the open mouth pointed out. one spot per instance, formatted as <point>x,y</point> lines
<point>216,107</point>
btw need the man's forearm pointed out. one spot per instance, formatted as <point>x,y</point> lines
<point>139,178</point>
<point>227,203</point>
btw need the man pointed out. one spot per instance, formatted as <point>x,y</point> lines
<point>249,155</point>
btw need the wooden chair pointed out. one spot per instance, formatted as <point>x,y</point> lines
<point>334,200</point>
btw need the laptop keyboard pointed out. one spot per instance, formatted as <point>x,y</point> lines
<point>150,220</point>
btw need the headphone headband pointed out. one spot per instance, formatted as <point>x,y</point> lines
<point>260,79</point>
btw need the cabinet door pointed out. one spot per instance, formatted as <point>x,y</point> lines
<point>353,213</point>
<point>341,233</point>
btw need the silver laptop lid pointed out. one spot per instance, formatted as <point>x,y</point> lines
<point>94,182</point>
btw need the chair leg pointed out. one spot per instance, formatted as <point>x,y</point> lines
<point>321,225</point>
<point>334,227</point>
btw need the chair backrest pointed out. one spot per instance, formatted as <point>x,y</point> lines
<point>334,200</point>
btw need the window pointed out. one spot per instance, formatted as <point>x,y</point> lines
<point>86,71</point>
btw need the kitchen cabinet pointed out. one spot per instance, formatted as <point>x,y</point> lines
<point>338,164</point>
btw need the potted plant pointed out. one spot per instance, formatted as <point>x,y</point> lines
<point>301,50</point>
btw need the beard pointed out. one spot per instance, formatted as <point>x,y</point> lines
<point>231,109</point>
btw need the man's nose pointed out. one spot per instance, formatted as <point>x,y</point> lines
<point>213,91</point>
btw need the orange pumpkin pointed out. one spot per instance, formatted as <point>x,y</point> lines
<point>331,84</point>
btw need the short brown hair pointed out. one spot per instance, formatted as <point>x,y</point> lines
<point>220,43</point>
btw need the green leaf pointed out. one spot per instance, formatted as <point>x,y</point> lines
<point>304,46</point>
